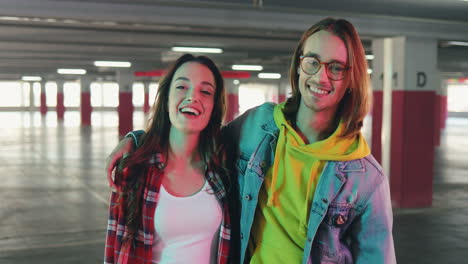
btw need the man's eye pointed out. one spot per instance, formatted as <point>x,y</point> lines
<point>314,63</point>
<point>336,67</point>
<point>180,87</point>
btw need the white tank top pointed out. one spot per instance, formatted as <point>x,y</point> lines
<point>187,228</point>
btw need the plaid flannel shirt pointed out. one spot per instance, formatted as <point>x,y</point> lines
<point>141,251</point>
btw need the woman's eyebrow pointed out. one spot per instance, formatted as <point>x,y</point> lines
<point>182,78</point>
<point>208,83</point>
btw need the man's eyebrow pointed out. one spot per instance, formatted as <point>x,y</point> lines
<point>311,54</point>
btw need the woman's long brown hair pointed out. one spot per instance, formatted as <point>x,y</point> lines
<point>156,140</point>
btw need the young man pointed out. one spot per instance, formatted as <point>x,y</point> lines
<point>309,191</point>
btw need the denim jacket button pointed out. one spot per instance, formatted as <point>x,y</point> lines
<point>339,220</point>
<point>263,164</point>
<point>248,197</point>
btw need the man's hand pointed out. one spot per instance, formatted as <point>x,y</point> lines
<point>124,148</point>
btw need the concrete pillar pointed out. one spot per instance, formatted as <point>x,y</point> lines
<point>146,106</point>
<point>43,106</point>
<point>282,91</point>
<point>86,107</point>
<point>409,81</point>
<point>232,92</point>
<point>125,108</point>
<point>443,103</point>
<point>31,96</point>
<point>377,106</point>
<point>60,105</point>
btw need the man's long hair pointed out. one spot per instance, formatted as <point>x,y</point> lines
<point>356,102</point>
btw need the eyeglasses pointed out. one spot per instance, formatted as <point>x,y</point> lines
<point>336,71</point>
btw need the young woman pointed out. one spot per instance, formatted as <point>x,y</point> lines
<point>170,205</point>
<point>310,191</point>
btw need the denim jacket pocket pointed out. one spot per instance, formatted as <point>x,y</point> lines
<point>327,245</point>
<point>242,163</point>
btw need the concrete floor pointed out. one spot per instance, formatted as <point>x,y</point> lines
<point>54,193</point>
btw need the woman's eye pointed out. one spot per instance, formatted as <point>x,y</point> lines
<point>180,87</point>
<point>206,92</point>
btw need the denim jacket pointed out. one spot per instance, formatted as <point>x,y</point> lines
<point>351,215</point>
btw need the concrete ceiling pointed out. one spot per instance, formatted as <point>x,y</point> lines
<point>37,37</point>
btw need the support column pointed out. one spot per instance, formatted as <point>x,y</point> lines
<point>282,91</point>
<point>31,96</point>
<point>146,106</point>
<point>60,105</point>
<point>443,103</point>
<point>125,108</point>
<point>377,106</point>
<point>86,108</point>
<point>409,72</point>
<point>43,106</point>
<point>232,91</point>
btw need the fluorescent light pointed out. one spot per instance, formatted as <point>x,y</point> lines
<point>369,71</point>
<point>458,43</point>
<point>197,50</point>
<point>264,75</point>
<point>238,67</point>
<point>369,57</point>
<point>236,82</point>
<point>71,71</point>
<point>124,64</point>
<point>31,78</point>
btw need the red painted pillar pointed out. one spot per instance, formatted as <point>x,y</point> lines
<point>443,111</point>
<point>413,148</point>
<point>125,108</point>
<point>86,108</point>
<point>403,123</point>
<point>146,106</point>
<point>284,90</point>
<point>413,130</point>
<point>232,101</point>
<point>437,114</point>
<point>443,104</point>
<point>43,106</point>
<point>60,104</point>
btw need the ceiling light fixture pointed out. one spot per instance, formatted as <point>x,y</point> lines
<point>265,75</point>
<point>197,50</point>
<point>369,57</point>
<point>71,71</point>
<point>238,67</point>
<point>458,43</point>
<point>124,64</point>
<point>31,78</point>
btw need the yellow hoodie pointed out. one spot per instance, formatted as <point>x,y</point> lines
<point>280,224</point>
